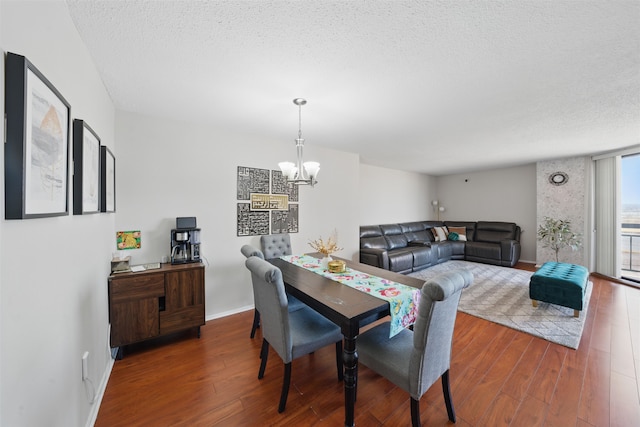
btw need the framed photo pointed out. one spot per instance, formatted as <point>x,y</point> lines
<point>36,159</point>
<point>128,240</point>
<point>86,169</point>
<point>107,180</point>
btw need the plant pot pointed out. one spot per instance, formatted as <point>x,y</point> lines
<point>324,262</point>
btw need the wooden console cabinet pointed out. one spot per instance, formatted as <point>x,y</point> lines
<point>156,302</point>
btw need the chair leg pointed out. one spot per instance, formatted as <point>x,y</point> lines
<point>446,390</point>
<point>262,349</point>
<point>256,323</point>
<point>285,387</point>
<point>415,413</point>
<point>339,361</point>
<point>264,353</point>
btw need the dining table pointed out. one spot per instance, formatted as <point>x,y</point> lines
<point>349,308</point>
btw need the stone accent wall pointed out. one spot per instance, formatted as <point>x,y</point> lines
<point>567,201</point>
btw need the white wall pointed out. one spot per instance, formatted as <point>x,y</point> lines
<point>53,270</point>
<point>167,169</point>
<point>507,194</point>
<point>389,196</point>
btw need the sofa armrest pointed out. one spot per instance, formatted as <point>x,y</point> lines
<point>510,250</point>
<point>375,256</point>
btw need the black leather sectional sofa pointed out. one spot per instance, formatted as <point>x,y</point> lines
<point>411,246</point>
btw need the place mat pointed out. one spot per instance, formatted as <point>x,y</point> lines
<point>403,300</point>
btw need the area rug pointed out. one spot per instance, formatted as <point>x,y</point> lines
<point>501,295</point>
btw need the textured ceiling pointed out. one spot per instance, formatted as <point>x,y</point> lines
<point>429,86</point>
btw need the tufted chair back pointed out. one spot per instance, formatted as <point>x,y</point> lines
<point>275,245</point>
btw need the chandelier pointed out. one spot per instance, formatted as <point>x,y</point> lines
<point>300,173</point>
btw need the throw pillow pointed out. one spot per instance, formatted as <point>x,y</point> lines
<point>453,236</point>
<point>440,233</point>
<point>461,231</point>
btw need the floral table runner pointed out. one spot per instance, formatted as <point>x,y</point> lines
<point>403,300</point>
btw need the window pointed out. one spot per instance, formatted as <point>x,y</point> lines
<point>630,224</point>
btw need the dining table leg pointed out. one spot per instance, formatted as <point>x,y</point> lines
<point>350,359</point>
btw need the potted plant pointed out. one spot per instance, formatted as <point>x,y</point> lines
<point>557,234</point>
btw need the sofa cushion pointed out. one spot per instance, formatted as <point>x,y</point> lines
<point>420,236</point>
<point>371,237</point>
<point>408,227</point>
<point>430,224</point>
<point>389,229</point>
<point>401,260</point>
<point>373,243</point>
<point>494,232</point>
<point>482,250</point>
<point>445,250</point>
<point>370,231</point>
<point>395,241</point>
<point>393,235</point>
<point>457,249</point>
<point>422,257</point>
<point>416,231</point>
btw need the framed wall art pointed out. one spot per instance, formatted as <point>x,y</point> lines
<point>36,160</point>
<point>86,169</point>
<point>252,180</point>
<point>285,221</point>
<point>252,223</point>
<point>107,180</point>
<point>128,240</point>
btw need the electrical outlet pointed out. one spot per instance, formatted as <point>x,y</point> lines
<point>85,365</point>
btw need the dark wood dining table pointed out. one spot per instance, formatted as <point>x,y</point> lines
<point>348,308</point>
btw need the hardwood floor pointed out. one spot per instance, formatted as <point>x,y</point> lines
<point>500,377</point>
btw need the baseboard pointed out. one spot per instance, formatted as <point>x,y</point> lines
<point>230,312</point>
<point>93,415</point>
<point>619,280</point>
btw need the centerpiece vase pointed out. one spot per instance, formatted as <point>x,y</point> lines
<point>324,262</point>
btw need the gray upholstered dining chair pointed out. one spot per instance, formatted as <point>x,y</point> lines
<point>291,334</point>
<point>413,360</point>
<point>294,303</point>
<point>249,251</point>
<point>275,245</point>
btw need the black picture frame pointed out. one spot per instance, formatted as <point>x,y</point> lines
<point>86,169</point>
<point>36,149</point>
<point>107,180</point>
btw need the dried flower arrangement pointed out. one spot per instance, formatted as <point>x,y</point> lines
<point>328,247</point>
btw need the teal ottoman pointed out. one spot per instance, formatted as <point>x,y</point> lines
<point>559,283</point>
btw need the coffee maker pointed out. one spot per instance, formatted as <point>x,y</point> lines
<point>185,241</point>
